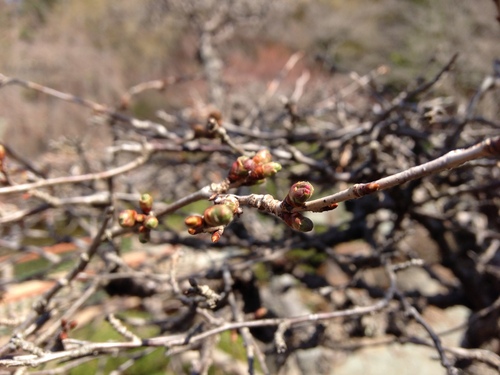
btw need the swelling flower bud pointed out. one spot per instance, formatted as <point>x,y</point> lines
<point>146,203</point>
<point>270,169</point>
<point>194,231</point>
<point>193,221</point>
<point>238,170</point>
<point>299,193</point>
<point>126,218</point>
<point>262,157</point>
<point>217,215</point>
<point>151,222</point>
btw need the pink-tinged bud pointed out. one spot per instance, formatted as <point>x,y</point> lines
<point>262,157</point>
<point>126,218</point>
<point>270,169</point>
<point>299,193</point>
<point>194,221</point>
<point>301,223</point>
<point>146,203</point>
<point>139,218</point>
<point>238,170</point>
<point>217,215</point>
<point>248,163</point>
<point>151,222</point>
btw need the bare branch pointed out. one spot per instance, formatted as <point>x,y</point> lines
<point>487,148</point>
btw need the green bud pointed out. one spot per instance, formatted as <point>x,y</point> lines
<point>232,202</point>
<point>151,222</point>
<point>127,218</point>
<point>146,203</point>
<point>270,169</point>
<point>219,214</point>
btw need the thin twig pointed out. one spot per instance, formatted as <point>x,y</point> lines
<point>81,178</point>
<point>412,311</point>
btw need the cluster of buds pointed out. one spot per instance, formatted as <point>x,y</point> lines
<point>215,218</point>
<point>251,171</point>
<point>144,221</point>
<point>66,326</point>
<point>298,194</point>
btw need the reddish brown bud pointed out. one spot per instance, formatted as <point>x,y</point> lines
<point>257,173</point>
<point>216,116</point>
<point>301,223</point>
<point>127,218</point>
<point>216,236</point>
<point>260,313</point>
<point>194,221</point>
<point>216,215</point>
<point>151,222</point>
<point>248,163</point>
<point>238,170</point>
<point>262,157</point>
<point>2,153</point>
<point>299,193</point>
<point>146,203</point>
